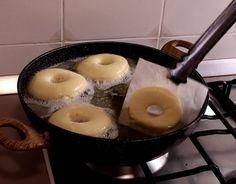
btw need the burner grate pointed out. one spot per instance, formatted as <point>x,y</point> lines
<point>221,91</point>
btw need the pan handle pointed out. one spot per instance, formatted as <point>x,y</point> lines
<point>203,45</point>
<point>31,139</point>
<point>171,48</point>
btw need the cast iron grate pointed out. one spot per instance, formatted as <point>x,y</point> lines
<point>219,90</point>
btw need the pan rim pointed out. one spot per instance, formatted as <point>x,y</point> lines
<point>116,140</point>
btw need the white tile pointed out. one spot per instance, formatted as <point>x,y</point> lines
<point>31,21</point>
<point>14,58</point>
<point>109,19</point>
<point>225,48</point>
<point>191,17</point>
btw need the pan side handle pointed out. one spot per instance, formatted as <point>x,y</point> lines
<point>171,48</point>
<point>31,139</point>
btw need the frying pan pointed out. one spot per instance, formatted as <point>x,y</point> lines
<point>91,149</point>
<point>42,134</point>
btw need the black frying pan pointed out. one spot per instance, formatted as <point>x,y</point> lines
<point>113,151</point>
<point>97,149</point>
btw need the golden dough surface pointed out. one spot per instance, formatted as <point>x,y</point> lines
<point>103,67</point>
<point>167,116</point>
<point>84,119</point>
<point>56,83</point>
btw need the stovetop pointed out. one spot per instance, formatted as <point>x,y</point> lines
<point>207,156</point>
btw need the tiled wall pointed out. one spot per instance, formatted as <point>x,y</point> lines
<point>31,27</point>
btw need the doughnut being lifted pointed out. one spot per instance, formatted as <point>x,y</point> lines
<point>103,67</point>
<point>56,83</point>
<point>154,109</point>
<point>83,119</point>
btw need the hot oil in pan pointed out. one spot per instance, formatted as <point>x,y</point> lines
<point>108,95</point>
<point>113,98</point>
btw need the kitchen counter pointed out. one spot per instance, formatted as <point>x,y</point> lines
<point>19,167</point>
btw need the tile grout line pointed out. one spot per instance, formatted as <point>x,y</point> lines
<point>76,41</point>
<point>160,23</point>
<point>62,23</point>
<point>110,39</point>
<point>194,35</point>
<point>115,39</point>
<point>29,44</point>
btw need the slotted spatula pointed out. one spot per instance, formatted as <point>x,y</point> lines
<point>191,93</point>
<point>204,44</point>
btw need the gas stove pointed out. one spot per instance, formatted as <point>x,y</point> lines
<point>207,156</point>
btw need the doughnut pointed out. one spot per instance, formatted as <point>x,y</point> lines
<point>56,83</point>
<point>83,119</point>
<point>154,109</point>
<point>105,67</point>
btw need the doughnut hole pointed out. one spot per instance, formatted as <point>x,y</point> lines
<point>78,118</point>
<point>59,78</point>
<point>105,62</point>
<point>154,110</point>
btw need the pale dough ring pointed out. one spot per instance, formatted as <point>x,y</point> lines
<point>83,119</point>
<point>56,83</point>
<point>171,110</point>
<point>103,67</point>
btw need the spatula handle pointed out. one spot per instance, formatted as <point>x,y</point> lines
<point>203,45</point>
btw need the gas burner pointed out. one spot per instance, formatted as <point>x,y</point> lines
<point>129,172</point>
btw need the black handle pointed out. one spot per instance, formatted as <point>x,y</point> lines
<point>203,45</point>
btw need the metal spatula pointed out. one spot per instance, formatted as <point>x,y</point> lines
<point>191,93</point>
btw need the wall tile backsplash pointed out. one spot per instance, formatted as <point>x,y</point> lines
<point>30,21</point>
<point>190,17</point>
<point>30,27</point>
<point>108,19</point>
<point>14,57</point>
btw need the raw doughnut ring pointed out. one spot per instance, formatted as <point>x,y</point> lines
<point>55,83</point>
<point>103,67</point>
<point>167,113</point>
<point>83,119</point>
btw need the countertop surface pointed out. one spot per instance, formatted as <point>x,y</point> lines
<point>19,167</point>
